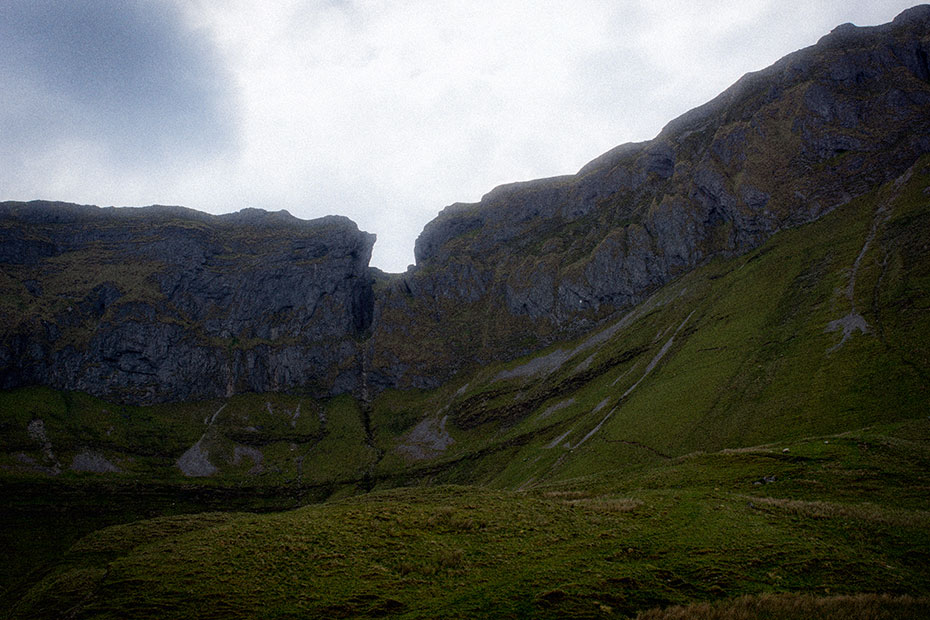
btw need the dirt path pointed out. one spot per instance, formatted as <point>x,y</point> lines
<point>649,368</point>
<point>853,322</point>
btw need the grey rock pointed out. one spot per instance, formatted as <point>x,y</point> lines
<point>780,148</point>
<point>195,462</point>
<point>177,304</point>
<point>198,306</point>
<point>93,462</point>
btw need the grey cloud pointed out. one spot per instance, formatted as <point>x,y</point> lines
<point>128,75</point>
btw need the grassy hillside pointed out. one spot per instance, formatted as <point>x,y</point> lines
<point>739,352</point>
<point>758,426</point>
<point>840,515</point>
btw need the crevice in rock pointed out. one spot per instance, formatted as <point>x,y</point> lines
<point>364,403</point>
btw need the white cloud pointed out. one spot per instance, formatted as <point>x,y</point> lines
<point>386,111</point>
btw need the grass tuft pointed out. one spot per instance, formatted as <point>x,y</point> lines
<point>800,607</point>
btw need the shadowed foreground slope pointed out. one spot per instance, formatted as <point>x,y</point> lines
<point>839,516</point>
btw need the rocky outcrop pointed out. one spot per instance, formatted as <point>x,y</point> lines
<point>534,261</point>
<point>165,303</point>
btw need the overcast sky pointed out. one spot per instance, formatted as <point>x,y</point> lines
<point>384,111</point>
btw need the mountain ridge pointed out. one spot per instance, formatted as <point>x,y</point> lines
<point>166,303</point>
<point>531,263</point>
<point>781,147</point>
<point>670,391</point>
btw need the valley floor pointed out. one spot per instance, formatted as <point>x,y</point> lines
<point>832,518</point>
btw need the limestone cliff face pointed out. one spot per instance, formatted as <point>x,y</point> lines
<point>165,303</point>
<point>532,261</point>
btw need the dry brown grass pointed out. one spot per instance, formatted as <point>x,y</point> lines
<point>607,504</point>
<point>568,494</point>
<point>599,503</point>
<point>830,510</point>
<point>798,607</point>
<point>448,518</point>
<point>765,451</point>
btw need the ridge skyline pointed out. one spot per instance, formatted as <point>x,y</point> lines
<point>366,200</point>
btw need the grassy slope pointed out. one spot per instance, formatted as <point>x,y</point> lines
<point>747,360</point>
<point>841,517</point>
<point>305,457</point>
<point>616,488</point>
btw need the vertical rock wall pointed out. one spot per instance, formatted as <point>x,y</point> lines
<point>169,304</point>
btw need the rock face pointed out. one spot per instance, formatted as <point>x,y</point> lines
<point>165,303</point>
<point>169,304</point>
<point>534,261</point>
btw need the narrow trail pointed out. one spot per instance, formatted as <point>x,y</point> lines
<point>646,372</point>
<point>637,444</point>
<point>649,368</point>
<point>853,321</point>
<point>658,357</point>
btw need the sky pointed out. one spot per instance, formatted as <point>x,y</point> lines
<point>384,111</point>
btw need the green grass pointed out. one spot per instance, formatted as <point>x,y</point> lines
<point>697,528</point>
<point>327,437</point>
<point>750,361</point>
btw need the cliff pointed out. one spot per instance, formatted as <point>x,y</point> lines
<point>166,303</point>
<point>537,261</point>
